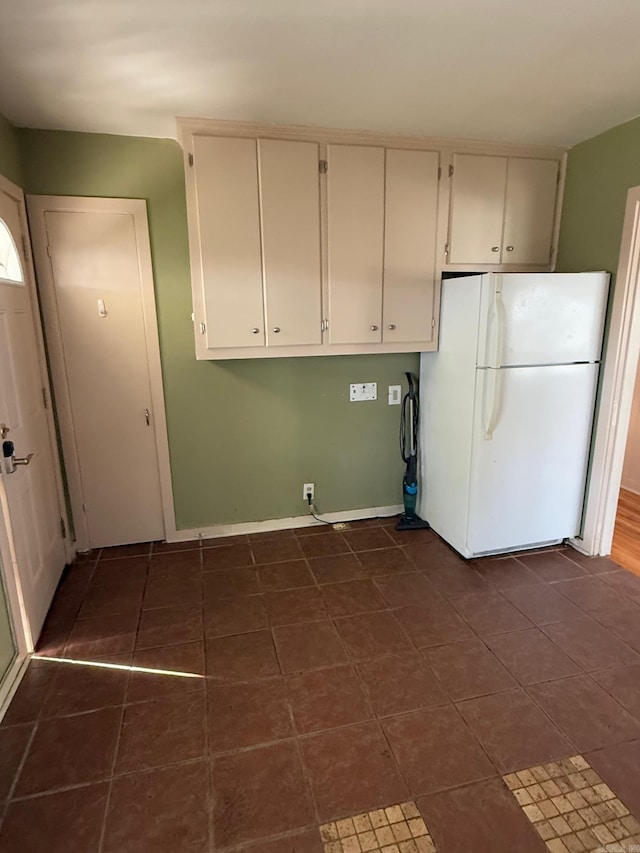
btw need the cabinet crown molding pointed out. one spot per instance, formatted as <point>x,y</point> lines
<point>189,126</point>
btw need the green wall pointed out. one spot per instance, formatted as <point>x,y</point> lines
<point>10,163</point>
<point>599,173</point>
<point>244,435</point>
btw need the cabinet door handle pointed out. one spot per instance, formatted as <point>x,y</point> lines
<point>255,331</point>
<point>276,329</point>
<point>495,248</point>
<point>509,248</point>
<point>392,326</point>
<point>374,328</point>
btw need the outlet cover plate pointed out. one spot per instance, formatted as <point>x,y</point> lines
<point>395,395</point>
<point>363,391</point>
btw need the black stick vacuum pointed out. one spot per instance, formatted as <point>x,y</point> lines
<point>409,451</point>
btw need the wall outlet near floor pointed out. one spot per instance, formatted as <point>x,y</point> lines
<point>395,395</point>
<point>363,391</point>
<point>308,489</point>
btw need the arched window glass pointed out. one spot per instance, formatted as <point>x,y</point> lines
<point>10,266</point>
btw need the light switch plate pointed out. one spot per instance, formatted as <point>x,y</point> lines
<point>395,395</point>
<point>363,391</point>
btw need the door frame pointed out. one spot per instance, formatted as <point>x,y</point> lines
<point>10,581</point>
<point>622,351</point>
<point>25,642</point>
<point>38,205</point>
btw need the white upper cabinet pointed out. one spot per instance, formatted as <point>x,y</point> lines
<point>411,214</point>
<point>477,209</point>
<point>306,241</point>
<point>502,210</point>
<point>290,208</point>
<point>230,255</point>
<point>355,204</point>
<point>530,204</point>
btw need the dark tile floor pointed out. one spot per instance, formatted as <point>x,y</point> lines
<point>260,687</point>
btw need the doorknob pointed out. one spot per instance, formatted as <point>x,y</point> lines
<point>4,429</point>
<point>11,461</point>
<point>147,416</point>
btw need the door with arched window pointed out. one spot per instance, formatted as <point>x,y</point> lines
<point>29,485</point>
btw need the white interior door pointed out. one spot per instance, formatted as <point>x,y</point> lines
<point>29,491</point>
<point>529,458</point>
<point>89,265</point>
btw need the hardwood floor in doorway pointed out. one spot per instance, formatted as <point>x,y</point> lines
<point>626,535</point>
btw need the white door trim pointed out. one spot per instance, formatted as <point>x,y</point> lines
<point>137,208</point>
<point>17,611</point>
<point>616,391</point>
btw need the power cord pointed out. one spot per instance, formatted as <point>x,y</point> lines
<point>312,510</point>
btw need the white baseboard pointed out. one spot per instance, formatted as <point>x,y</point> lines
<point>631,486</point>
<point>216,531</point>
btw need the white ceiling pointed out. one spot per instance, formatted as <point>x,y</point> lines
<point>514,70</point>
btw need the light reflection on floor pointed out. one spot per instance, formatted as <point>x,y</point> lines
<point>145,669</point>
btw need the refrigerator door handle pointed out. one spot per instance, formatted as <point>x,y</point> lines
<point>498,318</point>
<point>496,400</point>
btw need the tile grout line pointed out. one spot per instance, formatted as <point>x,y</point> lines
<point>107,804</point>
<point>211,794</point>
<point>108,778</point>
<point>116,750</point>
<point>18,774</point>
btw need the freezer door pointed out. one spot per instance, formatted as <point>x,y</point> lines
<point>532,428</point>
<point>541,318</point>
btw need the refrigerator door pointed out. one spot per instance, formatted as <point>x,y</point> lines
<point>532,428</point>
<point>541,318</point>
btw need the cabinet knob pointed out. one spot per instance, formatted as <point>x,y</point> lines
<point>392,326</point>
<point>255,331</point>
<point>509,248</point>
<point>276,329</point>
<point>374,328</point>
<point>495,248</point>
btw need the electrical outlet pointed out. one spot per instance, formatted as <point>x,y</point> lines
<point>308,489</point>
<point>363,391</point>
<point>395,395</point>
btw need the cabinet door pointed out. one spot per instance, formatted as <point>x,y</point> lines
<point>529,210</point>
<point>290,204</point>
<point>411,209</point>
<point>355,204</point>
<point>477,209</point>
<point>226,175</point>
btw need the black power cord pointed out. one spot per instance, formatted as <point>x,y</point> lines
<point>312,510</point>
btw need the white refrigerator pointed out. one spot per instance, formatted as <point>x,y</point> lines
<point>507,406</point>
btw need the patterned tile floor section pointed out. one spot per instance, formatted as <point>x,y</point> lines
<point>572,809</point>
<point>396,829</point>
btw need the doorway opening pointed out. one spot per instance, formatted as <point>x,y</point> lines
<point>625,548</point>
<point>605,503</point>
